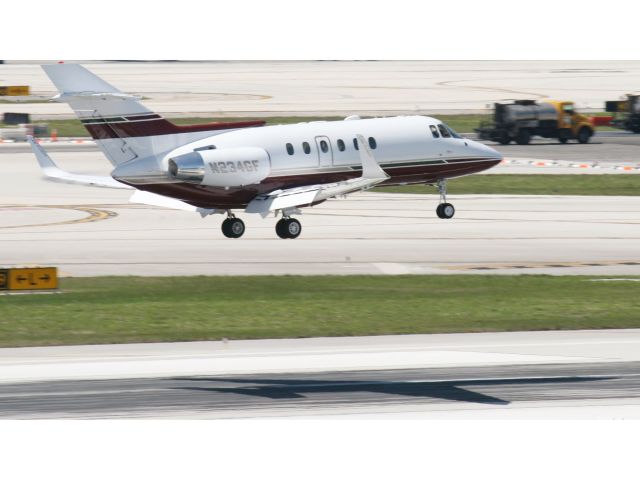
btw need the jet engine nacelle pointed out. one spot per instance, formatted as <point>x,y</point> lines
<point>225,167</point>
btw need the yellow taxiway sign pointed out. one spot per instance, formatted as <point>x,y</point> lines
<point>29,278</point>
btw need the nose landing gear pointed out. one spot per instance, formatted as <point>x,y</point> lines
<point>444,210</point>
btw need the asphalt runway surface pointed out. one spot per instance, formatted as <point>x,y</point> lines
<point>552,374</point>
<point>341,88</point>
<point>322,393</point>
<point>572,374</point>
<point>604,147</point>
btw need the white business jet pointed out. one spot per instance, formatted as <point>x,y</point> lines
<point>227,167</point>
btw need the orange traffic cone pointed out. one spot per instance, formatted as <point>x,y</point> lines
<point>54,135</point>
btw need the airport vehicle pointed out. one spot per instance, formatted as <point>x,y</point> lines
<point>627,113</point>
<point>523,119</point>
<point>222,167</point>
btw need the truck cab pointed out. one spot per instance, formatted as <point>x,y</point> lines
<point>571,124</point>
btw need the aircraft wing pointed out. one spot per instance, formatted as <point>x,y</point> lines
<point>372,174</point>
<point>53,172</point>
<point>148,198</point>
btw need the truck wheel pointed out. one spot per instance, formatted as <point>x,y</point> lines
<point>504,139</point>
<point>523,137</point>
<point>584,135</point>
<point>564,135</point>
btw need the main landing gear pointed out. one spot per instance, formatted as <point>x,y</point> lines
<point>233,227</point>
<point>445,210</point>
<point>288,228</point>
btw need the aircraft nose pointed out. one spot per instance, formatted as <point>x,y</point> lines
<point>485,151</point>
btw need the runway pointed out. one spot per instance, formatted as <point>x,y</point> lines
<point>407,392</point>
<point>582,374</point>
<point>88,231</point>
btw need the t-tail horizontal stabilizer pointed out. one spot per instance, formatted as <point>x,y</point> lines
<point>53,172</point>
<point>372,174</point>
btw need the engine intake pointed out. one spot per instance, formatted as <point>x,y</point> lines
<point>188,168</point>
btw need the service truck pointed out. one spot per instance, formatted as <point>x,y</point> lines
<point>627,113</point>
<point>523,119</point>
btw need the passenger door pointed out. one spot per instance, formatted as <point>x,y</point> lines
<point>325,153</point>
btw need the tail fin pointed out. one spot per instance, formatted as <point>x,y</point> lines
<point>123,128</point>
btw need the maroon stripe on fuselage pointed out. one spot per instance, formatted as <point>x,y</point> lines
<point>236,198</point>
<point>160,126</point>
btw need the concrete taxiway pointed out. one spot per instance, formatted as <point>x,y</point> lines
<point>341,88</point>
<point>542,374</point>
<point>88,231</point>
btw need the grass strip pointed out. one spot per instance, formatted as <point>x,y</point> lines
<point>532,184</point>
<point>164,309</point>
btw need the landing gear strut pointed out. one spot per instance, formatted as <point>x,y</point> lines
<point>288,227</point>
<point>445,210</point>
<point>232,227</point>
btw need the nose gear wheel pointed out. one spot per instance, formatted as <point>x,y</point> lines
<point>444,210</point>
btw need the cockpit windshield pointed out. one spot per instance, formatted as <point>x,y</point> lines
<point>447,131</point>
<point>443,131</point>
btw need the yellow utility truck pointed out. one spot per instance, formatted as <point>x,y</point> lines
<point>523,119</point>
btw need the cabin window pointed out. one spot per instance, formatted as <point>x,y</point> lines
<point>341,146</point>
<point>306,148</point>
<point>372,143</point>
<point>434,131</point>
<point>355,144</point>
<point>443,131</point>
<point>290,150</point>
<point>324,146</point>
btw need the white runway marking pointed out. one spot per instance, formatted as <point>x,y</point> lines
<point>392,268</point>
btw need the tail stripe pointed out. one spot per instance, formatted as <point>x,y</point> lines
<point>121,128</point>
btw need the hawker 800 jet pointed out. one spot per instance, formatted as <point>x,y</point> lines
<point>229,167</point>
